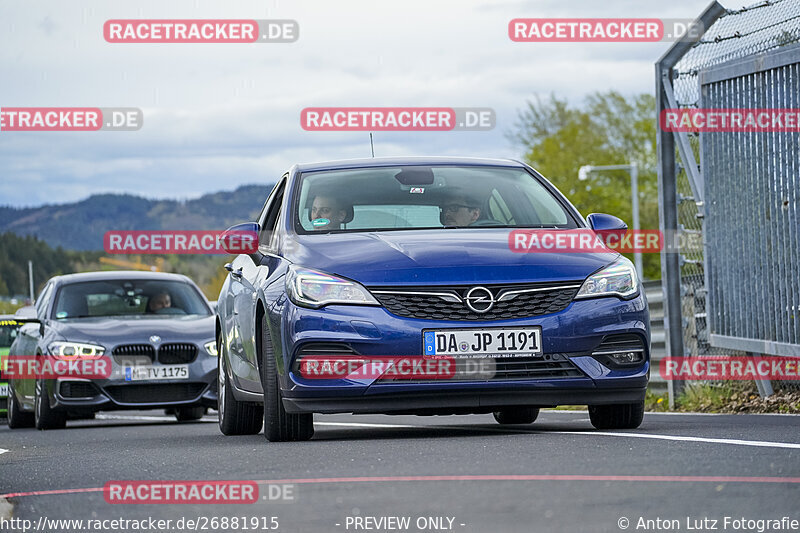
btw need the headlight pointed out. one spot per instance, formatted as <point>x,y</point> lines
<point>617,279</point>
<point>311,288</point>
<point>211,348</point>
<point>75,350</point>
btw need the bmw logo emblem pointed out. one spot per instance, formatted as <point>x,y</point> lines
<point>155,338</point>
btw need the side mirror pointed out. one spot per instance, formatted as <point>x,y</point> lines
<point>241,238</point>
<point>603,222</point>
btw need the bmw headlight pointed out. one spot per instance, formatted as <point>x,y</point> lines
<point>617,279</point>
<point>311,288</point>
<point>75,350</point>
<point>211,348</point>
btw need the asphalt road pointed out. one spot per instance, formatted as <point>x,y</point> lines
<point>555,475</point>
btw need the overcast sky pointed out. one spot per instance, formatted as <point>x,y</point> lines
<point>220,115</point>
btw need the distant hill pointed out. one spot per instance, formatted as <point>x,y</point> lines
<point>81,225</point>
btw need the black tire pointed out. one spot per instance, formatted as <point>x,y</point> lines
<point>45,417</point>
<point>279,426</point>
<point>189,414</point>
<point>620,416</point>
<point>516,415</point>
<point>235,417</point>
<point>17,418</point>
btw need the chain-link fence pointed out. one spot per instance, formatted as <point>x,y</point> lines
<point>688,190</point>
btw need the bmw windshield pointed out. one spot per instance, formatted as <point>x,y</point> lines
<point>425,197</point>
<point>128,297</point>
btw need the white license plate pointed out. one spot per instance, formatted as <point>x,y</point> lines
<point>155,373</point>
<point>3,390</point>
<point>487,342</point>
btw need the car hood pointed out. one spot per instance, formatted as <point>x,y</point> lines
<point>443,257</point>
<point>110,331</point>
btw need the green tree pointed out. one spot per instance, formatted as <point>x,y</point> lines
<point>609,129</point>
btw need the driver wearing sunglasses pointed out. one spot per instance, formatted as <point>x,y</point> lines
<point>459,210</point>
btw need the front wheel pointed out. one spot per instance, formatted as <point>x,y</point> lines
<point>17,418</point>
<point>620,416</point>
<point>235,417</point>
<point>279,426</point>
<point>516,415</point>
<point>45,417</point>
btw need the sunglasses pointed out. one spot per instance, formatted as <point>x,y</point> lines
<point>453,208</point>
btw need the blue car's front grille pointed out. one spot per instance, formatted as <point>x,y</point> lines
<point>450,303</point>
<point>548,366</point>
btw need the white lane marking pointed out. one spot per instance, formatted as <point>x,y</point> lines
<point>361,425</point>
<point>650,413</point>
<point>709,440</point>
<point>131,417</point>
<point>738,442</point>
<point>146,418</point>
<point>2,451</point>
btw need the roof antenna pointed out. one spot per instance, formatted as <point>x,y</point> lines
<point>371,146</point>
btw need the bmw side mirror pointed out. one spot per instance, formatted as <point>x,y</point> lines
<point>241,238</point>
<point>603,222</point>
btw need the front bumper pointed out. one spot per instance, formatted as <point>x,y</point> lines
<point>573,333</point>
<point>200,389</point>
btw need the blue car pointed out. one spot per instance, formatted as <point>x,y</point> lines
<point>368,270</point>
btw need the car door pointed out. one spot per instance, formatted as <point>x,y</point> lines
<point>27,344</point>
<point>248,271</point>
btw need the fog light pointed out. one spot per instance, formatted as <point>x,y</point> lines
<point>626,358</point>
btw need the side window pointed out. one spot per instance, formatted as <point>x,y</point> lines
<point>269,217</point>
<point>41,302</point>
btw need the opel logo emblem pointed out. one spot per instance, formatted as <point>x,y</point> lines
<point>480,299</point>
<point>155,338</point>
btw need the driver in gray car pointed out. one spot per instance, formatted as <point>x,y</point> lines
<point>159,301</point>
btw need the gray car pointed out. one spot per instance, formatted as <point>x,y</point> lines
<point>155,331</point>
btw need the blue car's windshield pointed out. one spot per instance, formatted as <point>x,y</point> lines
<point>425,197</point>
<point>128,297</point>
